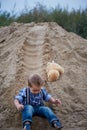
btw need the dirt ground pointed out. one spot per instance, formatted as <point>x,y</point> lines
<point>26,49</point>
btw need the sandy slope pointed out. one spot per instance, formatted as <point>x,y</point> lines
<point>25,49</point>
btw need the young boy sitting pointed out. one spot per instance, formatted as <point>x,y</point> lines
<point>30,101</point>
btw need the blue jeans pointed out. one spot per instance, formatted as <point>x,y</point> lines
<point>29,111</point>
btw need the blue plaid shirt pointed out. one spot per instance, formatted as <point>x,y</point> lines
<point>35,99</point>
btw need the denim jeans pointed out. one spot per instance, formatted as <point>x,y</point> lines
<point>43,111</point>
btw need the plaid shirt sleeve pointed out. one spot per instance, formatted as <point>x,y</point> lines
<point>46,95</point>
<point>20,95</point>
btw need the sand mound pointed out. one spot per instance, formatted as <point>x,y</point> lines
<point>26,49</point>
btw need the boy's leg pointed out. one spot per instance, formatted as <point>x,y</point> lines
<point>27,114</point>
<point>49,114</point>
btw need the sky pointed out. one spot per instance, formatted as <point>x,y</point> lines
<point>18,5</point>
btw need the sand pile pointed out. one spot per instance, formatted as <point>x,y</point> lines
<point>26,49</point>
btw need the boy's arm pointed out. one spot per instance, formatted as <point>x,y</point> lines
<point>48,97</point>
<point>55,101</point>
<point>18,99</point>
<point>18,105</point>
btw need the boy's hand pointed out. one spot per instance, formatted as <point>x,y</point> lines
<point>20,107</point>
<point>57,101</point>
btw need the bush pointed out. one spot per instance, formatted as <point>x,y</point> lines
<point>74,21</point>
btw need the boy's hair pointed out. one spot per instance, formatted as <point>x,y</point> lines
<point>36,80</point>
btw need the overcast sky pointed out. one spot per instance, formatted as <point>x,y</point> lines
<point>7,5</point>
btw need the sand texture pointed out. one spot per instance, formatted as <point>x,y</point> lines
<point>26,49</point>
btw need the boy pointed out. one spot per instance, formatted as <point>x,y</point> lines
<point>30,101</point>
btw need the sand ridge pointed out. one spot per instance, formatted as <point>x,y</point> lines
<point>26,49</point>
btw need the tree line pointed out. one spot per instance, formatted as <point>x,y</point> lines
<point>72,21</point>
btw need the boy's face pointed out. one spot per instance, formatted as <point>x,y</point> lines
<point>35,89</point>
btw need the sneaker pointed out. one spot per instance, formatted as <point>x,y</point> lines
<point>26,127</point>
<point>57,125</point>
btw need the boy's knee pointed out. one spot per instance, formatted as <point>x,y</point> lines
<point>47,109</point>
<point>29,108</point>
